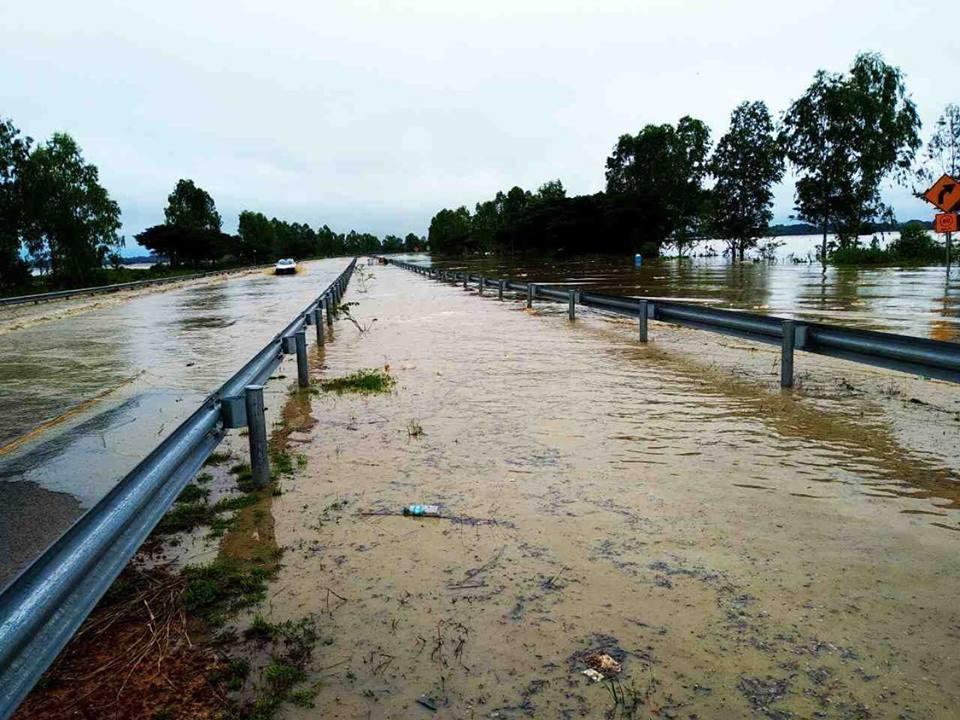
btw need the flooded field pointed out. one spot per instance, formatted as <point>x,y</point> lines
<point>88,387</point>
<point>741,551</point>
<point>922,301</point>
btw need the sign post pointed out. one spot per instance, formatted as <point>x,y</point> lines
<point>945,194</point>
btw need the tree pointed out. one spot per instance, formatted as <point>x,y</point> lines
<point>68,216</point>
<point>191,232</point>
<point>258,239</point>
<point>449,230</point>
<point>665,165</point>
<point>551,190</point>
<point>392,244</point>
<point>191,208</point>
<point>844,136</point>
<point>746,165</point>
<point>14,151</point>
<point>412,243</point>
<point>943,150</point>
<point>329,243</point>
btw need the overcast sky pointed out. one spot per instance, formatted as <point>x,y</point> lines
<point>373,115</point>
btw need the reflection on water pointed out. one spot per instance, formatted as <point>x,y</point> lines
<point>921,301</point>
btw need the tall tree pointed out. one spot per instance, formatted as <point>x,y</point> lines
<point>665,165</point>
<point>258,239</point>
<point>746,165</point>
<point>191,208</point>
<point>449,230</point>
<point>392,244</point>
<point>844,136</point>
<point>412,243</point>
<point>191,232</point>
<point>551,190</point>
<point>69,217</point>
<point>14,151</point>
<point>943,150</point>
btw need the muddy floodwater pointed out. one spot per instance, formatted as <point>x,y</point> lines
<point>89,387</point>
<point>922,301</point>
<point>742,551</point>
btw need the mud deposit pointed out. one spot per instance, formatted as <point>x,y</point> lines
<point>742,552</point>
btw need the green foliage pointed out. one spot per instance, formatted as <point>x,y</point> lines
<point>449,230</point>
<point>69,223</point>
<point>362,381</point>
<point>191,234</point>
<point>844,136</point>
<point>746,164</point>
<point>943,149</point>
<point>281,463</point>
<point>916,245</point>
<point>191,208</point>
<point>193,493</point>
<point>184,516</point>
<point>667,166</point>
<point>13,155</point>
<point>218,458</point>
<point>283,677</point>
<point>392,244</point>
<point>222,587</point>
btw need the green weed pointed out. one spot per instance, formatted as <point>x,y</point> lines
<point>362,381</point>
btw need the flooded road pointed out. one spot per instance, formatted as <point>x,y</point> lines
<point>920,301</point>
<point>742,551</point>
<point>89,388</point>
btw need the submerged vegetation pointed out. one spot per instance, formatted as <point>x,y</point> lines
<point>362,381</point>
<point>914,246</point>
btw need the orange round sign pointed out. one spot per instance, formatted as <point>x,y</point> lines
<point>945,222</point>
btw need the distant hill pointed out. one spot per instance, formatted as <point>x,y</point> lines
<point>142,260</point>
<point>805,229</point>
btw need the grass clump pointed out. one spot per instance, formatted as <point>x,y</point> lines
<point>281,463</point>
<point>218,458</point>
<point>185,516</point>
<point>244,477</point>
<point>235,503</point>
<point>222,587</point>
<point>193,493</point>
<point>362,381</point>
<point>282,677</point>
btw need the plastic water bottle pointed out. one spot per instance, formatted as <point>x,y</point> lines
<point>422,510</point>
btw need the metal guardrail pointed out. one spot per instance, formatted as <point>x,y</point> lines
<point>99,289</point>
<point>918,356</point>
<point>45,605</point>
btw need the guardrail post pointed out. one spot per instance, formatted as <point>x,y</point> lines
<point>481,286</point>
<point>572,304</point>
<point>318,322</point>
<point>326,306</point>
<point>303,369</point>
<point>531,291</point>
<point>642,316</point>
<point>786,354</point>
<point>500,290</point>
<point>465,276</point>
<point>257,435</point>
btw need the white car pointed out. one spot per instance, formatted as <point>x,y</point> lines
<point>286,266</point>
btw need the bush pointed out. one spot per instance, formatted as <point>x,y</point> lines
<point>916,243</point>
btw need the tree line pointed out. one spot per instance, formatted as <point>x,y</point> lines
<point>670,186</point>
<point>55,216</point>
<point>192,235</point>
